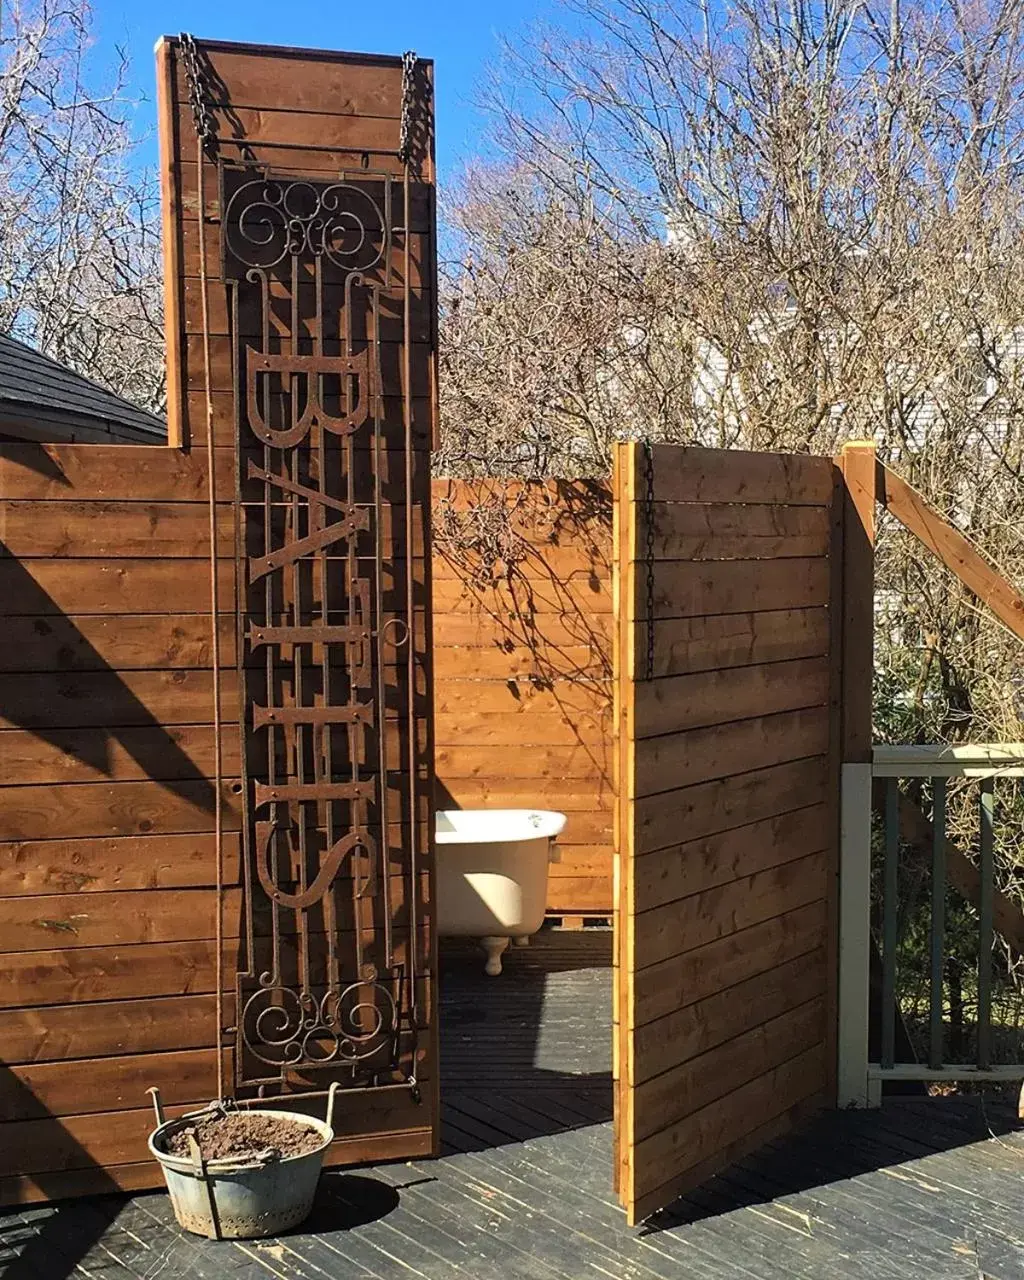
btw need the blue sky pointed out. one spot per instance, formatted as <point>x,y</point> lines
<point>462,37</point>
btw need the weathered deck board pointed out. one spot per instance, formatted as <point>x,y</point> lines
<point>917,1191</point>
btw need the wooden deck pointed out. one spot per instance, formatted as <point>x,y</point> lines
<point>921,1189</point>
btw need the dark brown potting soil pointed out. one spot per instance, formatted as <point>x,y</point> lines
<point>239,1134</point>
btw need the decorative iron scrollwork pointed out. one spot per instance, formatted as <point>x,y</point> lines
<point>325,984</point>
<point>286,1028</point>
<point>267,221</point>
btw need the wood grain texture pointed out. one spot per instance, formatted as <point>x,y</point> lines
<point>949,545</point>
<point>86,864</point>
<point>727,750</point>
<point>694,975</point>
<point>111,1138</point>
<point>694,588</point>
<point>28,1189</point>
<point>686,645</point>
<point>734,531</point>
<point>522,663</point>
<point>677,1092</point>
<point>709,807</point>
<point>857,464</point>
<point>676,872</point>
<point>714,1132</point>
<point>708,698</point>
<point>662,932</point>
<point>723,830</point>
<point>108,899</point>
<point>67,1032</point>
<point>734,476</point>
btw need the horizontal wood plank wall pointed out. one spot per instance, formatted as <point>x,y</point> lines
<point>107,869</point>
<point>522,664</point>
<point>727,824</point>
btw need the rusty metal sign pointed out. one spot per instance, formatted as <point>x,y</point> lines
<point>329,787</point>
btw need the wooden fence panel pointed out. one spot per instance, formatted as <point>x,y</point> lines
<point>108,959</point>
<point>727,821</point>
<point>522,665</point>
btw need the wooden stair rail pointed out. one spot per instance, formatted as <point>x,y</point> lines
<point>956,552</point>
<point>962,558</point>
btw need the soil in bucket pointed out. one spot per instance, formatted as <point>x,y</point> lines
<point>240,1134</point>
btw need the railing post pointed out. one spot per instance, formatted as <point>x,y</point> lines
<point>857,464</point>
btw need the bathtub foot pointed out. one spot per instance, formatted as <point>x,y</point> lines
<point>494,948</point>
<point>522,941</point>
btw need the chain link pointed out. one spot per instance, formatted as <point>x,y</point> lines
<point>409,61</point>
<point>200,96</point>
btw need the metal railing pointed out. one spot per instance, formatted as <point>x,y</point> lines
<point>928,769</point>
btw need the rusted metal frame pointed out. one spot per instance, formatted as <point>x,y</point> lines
<point>346,635</point>
<point>338,150</point>
<point>359,887</point>
<point>378,545</point>
<point>240,613</point>
<point>205,139</point>
<point>281,634</point>
<point>323,734</point>
<point>298,736</point>
<point>352,714</point>
<point>410,638</point>
<point>271,735</point>
<point>387,221</point>
<point>303,792</point>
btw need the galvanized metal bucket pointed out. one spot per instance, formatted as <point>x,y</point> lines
<point>235,1199</point>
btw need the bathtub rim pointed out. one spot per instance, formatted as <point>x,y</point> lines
<point>548,830</point>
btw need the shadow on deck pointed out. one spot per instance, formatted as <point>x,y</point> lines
<point>920,1190</point>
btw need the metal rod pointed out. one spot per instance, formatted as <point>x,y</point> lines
<point>410,577</point>
<point>987,869</point>
<point>323,735</point>
<point>890,889</point>
<point>241,674</point>
<point>378,560</point>
<point>938,925</point>
<point>158,1108</point>
<point>218,753</point>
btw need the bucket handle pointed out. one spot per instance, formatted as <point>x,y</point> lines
<point>332,1093</point>
<point>199,1165</point>
<point>158,1106</point>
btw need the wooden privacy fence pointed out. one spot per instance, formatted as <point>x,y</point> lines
<point>107,884</point>
<point>113,894</point>
<point>522,665</point>
<point>727,733</point>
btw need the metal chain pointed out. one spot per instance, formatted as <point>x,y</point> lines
<point>200,100</point>
<point>649,536</point>
<point>409,61</point>
<point>200,96</point>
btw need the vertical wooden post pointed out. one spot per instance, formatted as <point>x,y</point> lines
<point>170,206</point>
<point>857,464</point>
<point>625,640</point>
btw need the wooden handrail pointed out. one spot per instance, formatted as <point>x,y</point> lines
<point>956,552</point>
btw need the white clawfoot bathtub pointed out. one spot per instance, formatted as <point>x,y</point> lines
<point>492,874</point>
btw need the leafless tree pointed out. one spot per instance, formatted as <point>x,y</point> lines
<point>79,233</point>
<point>768,224</point>
<point>764,225</point>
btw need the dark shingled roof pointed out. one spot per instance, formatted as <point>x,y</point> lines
<point>51,401</point>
